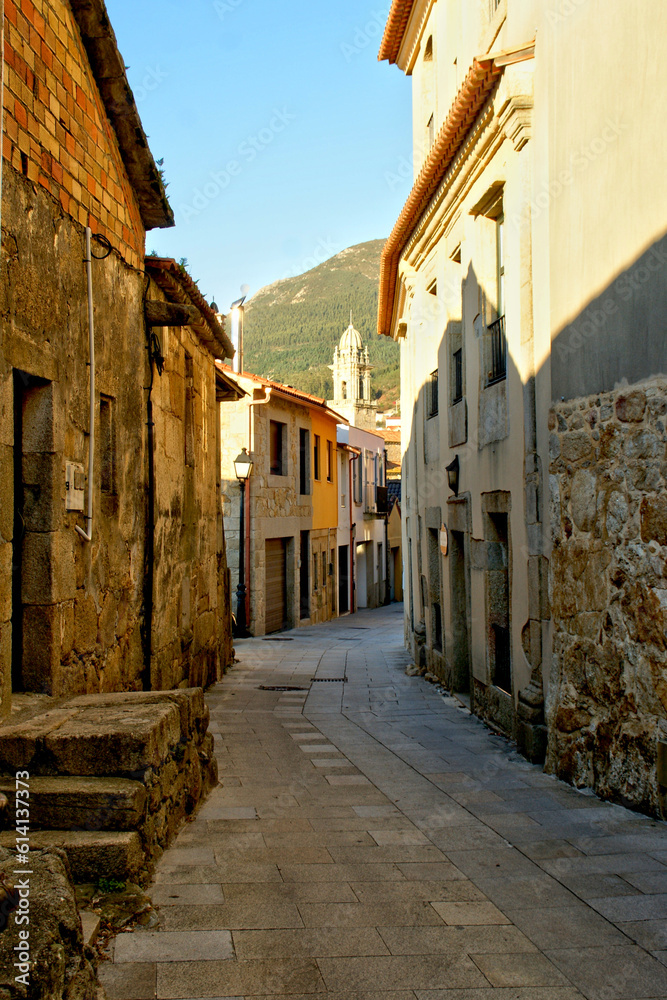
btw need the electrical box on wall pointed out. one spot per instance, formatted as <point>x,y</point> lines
<point>75,483</point>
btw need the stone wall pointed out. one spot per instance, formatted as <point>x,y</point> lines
<point>607,694</point>
<point>60,963</point>
<point>81,602</point>
<point>191,627</point>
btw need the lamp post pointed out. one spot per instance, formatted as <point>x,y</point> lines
<point>242,468</point>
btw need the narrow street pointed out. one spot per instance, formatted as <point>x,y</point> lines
<point>371,838</point>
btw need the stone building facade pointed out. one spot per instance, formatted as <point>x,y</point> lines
<point>531,318</point>
<point>290,518</point>
<point>74,613</point>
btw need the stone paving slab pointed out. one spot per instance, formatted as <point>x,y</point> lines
<point>373,840</point>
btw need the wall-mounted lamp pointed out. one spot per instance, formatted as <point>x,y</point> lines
<point>453,475</point>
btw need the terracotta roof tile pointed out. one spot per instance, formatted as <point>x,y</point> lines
<point>394,31</point>
<point>285,390</point>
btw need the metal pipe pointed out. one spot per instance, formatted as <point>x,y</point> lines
<point>2,95</point>
<point>88,534</point>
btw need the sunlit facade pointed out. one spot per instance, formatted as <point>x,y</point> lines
<point>526,274</point>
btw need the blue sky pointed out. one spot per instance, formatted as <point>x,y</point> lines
<point>284,140</point>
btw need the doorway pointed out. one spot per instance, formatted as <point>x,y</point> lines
<point>304,589</point>
<point>275,581</point>
<point>343,579</point>
<point>35,642</point>
<point>460,632</point>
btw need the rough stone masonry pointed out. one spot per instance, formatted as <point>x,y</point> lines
<point>607,702</point>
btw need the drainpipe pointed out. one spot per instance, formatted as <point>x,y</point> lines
<point>251,444</point>
<point>2,98</point>
<point>88,534</point>
<point>354,457</point>
<point>387,598</point>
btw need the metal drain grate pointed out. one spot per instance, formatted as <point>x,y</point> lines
<point>279,687</point>
<point>329,680</point>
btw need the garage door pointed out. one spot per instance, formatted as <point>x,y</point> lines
<point>275,617</point>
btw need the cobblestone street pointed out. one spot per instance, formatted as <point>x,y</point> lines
<point>370,838</point>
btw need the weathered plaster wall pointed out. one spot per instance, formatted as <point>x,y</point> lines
<point>82,602</point>
<point>189,627</point>
<point>607,698</point>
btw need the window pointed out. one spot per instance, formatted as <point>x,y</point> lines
<point>277,448</point>
<point>432,394</point>
<point>356,479</point>
<point>500,262</point>
<point>304,461</point>
<point>314,571</point>
<point>316,457</point>
<point>457,359</point>
<point>343,390</point>
<point>342,478</point>
<point>324,569</point>
<point>361,387</point>
<point>497,341</point>
<point>329,462</point>
<point>107,446</point>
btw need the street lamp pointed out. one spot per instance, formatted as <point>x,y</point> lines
<point>453,475</point>
<point>242,468</point>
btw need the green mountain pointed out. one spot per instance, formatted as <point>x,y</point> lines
<point>292,326</point>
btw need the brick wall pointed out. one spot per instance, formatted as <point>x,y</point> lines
<point>56,131</point>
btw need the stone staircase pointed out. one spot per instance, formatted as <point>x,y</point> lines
<point>112,776</point>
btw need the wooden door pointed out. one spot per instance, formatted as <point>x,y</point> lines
<point>275,615</point>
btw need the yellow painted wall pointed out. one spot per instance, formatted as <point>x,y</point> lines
<point>325,494</point>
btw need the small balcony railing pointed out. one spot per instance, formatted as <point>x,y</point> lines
<point>498,344</point>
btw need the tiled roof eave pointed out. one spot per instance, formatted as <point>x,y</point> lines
<point>178,286</point>
<point>478,85</point>
<point>394,31</point>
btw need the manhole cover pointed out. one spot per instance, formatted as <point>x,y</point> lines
<point>329,680</point>
<point>279,687</point>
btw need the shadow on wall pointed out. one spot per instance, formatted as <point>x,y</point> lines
<point>606,706</point>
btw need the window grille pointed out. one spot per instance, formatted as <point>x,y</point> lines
<point>433,394</point>
<point>458,375</point>
<point>498,343</point>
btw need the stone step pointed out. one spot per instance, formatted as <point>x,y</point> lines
<point>91,854</point>
<point>82,803</point>
<point>113,735</point>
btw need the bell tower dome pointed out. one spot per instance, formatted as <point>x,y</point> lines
<point>352,379</point>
